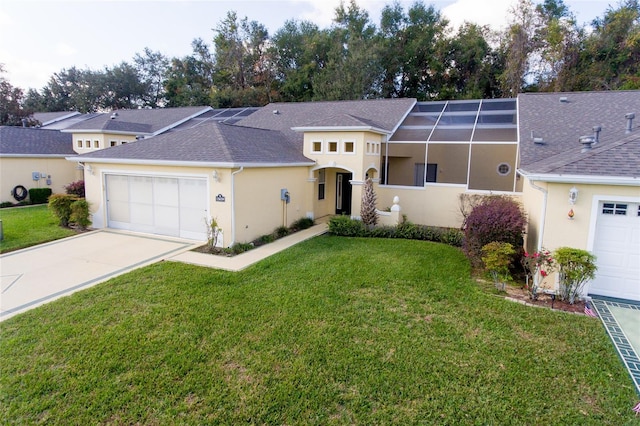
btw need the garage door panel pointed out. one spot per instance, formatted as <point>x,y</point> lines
<point>158,205</point>
<point>617,248</point>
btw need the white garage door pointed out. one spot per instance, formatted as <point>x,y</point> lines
<point>158,205</point>
<point>617,246</point>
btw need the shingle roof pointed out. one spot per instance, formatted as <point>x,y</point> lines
<point>47,118</point>
<point>384,114</point>
<point>21,141</point>
<point>210,142</point>
<point>561,123</point>
<point>138,121</point>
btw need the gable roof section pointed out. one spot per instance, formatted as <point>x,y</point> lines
<point>340,123</point>
<point>210,143</point>
<point>143,122</point>
<point>382,114</point>
<point>49,118</point>
<point>560,123</point>
<point>34,142</point>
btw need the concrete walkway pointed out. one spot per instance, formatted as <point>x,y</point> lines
<point>246,259</point>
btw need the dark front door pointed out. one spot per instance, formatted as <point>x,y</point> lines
<point>343,193</point>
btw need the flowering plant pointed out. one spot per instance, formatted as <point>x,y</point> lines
<point>537,266</point>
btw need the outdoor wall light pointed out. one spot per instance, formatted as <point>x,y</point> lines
<point>216,177</point>
<point>89,169</point>
<point>573,195</point>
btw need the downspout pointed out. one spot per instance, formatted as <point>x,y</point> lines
<point>233,205</point>
<point>545,194</point>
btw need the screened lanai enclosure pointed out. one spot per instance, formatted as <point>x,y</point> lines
<point>468,143</point>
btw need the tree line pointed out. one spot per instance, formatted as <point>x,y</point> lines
<point>411,52</point>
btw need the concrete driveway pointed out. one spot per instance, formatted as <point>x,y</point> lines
<point>40,274</point>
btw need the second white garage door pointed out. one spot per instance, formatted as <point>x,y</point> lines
<point>617,247</point>
<point>174,206</point>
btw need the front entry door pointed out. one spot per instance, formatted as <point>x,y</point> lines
<point>343,193</point>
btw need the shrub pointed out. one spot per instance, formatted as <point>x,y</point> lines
<point>80,213</point>
<point>495,218</point>
<point>346,227</point>
<point>60,205</point>
<point>575,268</point>
<point>6,204</point>
<point>281,231</point>
<point>497,257</point>
<point>214,232</point>
<point>302,223</point>
<point>75,188</point>
<point>452,236</point>
<point>239,248</point>
<point>39,195</point>
<point>537,266</point>
<point>368,207</point>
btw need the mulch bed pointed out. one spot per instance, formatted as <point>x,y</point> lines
<point>544,300</point>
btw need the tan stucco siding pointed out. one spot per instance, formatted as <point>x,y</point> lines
<point>452,161</point>
<point>258,207</point>
<point>485,159</point>
<point>533,203</point>
<point>96,141</point>
<point>18,171</point>
<point>560,230</point>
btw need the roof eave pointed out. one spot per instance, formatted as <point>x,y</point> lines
<point>342,129</point>
<point>34,155</point>
<point>174,163</point>
<point>109,132</point>
<point>584,179</point>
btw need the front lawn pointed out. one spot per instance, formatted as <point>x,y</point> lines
<point>332,331</point>
<point>28,226</point>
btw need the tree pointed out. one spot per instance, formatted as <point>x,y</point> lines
<point>517,47</point>
<point>352,69</point>
<point>190,79</point>
<point>299,52</point>
<point>153,68</point>
<point>413,48</point>
<point>11,111</point>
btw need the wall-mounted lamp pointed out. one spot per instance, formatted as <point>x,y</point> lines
<point>88,169</point>
<point>573,195</point>
<point>216,177</point>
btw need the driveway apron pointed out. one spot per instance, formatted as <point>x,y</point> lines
<point>40,274</point>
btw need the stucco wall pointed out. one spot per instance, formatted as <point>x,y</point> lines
<point>259,209</point>
<point>104,141</point>
<point>17,171</point>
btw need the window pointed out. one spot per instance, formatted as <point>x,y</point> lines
<point>321,183</point>
<point>79,143</point>
<point>96,144</point>
<point>503,169</point>
<point>87,144</point>
<point>316,146</point>
<point>349,147</point>
<point>614,208</point>
<point>113,143</point>
<point>333,147</point>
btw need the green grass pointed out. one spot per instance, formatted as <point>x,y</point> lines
<point>28,226</point>
<point>332,331</point>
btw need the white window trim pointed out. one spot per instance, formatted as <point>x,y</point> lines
<point>321,146</point>
<point>344,147</point>
<point>328,144</point>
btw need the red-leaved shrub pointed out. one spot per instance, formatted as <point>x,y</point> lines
<point>496,218</point>
<point>75,188</point>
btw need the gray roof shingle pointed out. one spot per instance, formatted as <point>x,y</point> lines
<point>21,141</point>
<point>210,142</point>
<point>138,121</point>
<point>384,114</point>
<point>561,123</point>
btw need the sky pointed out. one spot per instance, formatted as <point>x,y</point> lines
<point>41,37</point>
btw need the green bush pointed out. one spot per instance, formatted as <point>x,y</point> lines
<point>300,224</point>
<point>39,195</point>
<point>239,248</point>
<point>281,231</point>
<point>497,257</point>
<point>575,268</point>
<point>346,227</point>
<point>5,204</point>
<point>60,205</point>
<point>80,213</point>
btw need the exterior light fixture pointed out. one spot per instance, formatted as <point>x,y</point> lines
<point>573,195</point>
<point>216,177</point>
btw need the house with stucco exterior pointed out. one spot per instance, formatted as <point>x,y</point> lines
<point>572,159</point>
